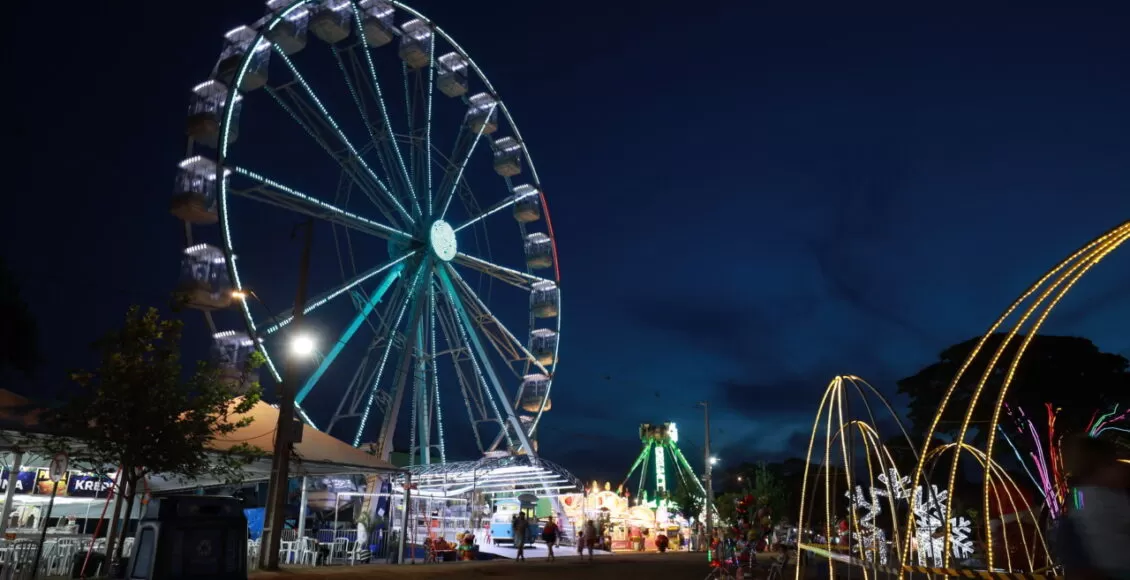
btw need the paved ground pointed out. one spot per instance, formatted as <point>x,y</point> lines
<point>670,566</point>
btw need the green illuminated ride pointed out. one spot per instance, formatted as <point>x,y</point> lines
<point>660,445</point>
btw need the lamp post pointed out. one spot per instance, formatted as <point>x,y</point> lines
<point>280,462</point>
<point>707,478</point>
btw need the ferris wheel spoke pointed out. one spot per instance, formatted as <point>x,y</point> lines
<point>341,135</point>
<point>473,396</point>
<point>428,120</point>
<point>377,144</point>
<point>509,275</point>
<point>306,116</point>
<point>375,85</point>
<point>511,419</point>
<point>458,164</point>
<point>404,369</point>
<point>504,204</point>
<point>508,346</point>
<point>477,385</point>
<point>324,298</point>
<point>350,330</point>
<point>375,388</point>
<point>436,399</point>
<point>278,194</point>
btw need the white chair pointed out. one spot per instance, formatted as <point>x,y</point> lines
<point>340,549</point>
<point>308,552</point>
<point>252,554</point>
<point>288,552</point>
<point>59,564</point>
<point>21,558</point>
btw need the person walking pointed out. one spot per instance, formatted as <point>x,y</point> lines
<point>549,535</point>
<point>591,537</point>
<point>1094,536</point>
<point>518,530</point>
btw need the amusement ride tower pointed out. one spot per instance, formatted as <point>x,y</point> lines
<point>660,449</point>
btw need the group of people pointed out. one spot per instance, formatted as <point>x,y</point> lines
<point>551,534</point>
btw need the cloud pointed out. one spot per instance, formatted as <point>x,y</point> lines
<point>747,335</point>
<point>793,442</point>
<point>594,455</point>
<point>862,223</point>
<point>791,395</point>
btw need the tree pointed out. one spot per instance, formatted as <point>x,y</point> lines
<point>770,491</point>
<point>19,335</point>
<point>136,411</point>
<point>1069,372</point>
<point>688,502</point>
<point>727,506</point>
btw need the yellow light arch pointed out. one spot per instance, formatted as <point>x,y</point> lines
<point>831,412</point>
<point>1049,290</point>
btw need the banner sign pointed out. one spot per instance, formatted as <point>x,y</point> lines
<point>88,485</point>
<point>37,481</point>
<point>44,484</point>
<point>25,480</point>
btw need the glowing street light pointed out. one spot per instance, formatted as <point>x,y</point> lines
<point>714,461</point>
<point>302,345</point>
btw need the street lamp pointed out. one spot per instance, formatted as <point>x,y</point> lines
<point>709,460</point>
<point>302,345</point>
<point>287,429</point>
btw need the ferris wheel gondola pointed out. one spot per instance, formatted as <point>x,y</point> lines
<point>429,300</point>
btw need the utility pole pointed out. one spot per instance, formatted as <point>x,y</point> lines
<point>707,478</point>
<point>280,463</point>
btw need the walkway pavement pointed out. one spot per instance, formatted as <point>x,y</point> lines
<point>670,566</point>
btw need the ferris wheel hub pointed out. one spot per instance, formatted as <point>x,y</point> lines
<point>441,237</point>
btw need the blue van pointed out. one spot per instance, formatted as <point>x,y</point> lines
<point>505,510</point>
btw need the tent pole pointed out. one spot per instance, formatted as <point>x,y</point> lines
<point>13,480</point>
<point>404,519</point>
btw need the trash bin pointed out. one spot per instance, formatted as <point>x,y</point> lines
<point>192,536</point>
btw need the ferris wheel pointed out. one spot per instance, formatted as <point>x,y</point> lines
<point>367,119</point>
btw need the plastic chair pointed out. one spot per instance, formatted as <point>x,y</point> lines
<point>288,552</point>
<point>308,551</point>
<point>340,549</point>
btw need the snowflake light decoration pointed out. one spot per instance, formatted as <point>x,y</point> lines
<point>928,514</point>
<point>870,538</point>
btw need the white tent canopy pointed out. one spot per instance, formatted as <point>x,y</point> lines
<point>318,454</point>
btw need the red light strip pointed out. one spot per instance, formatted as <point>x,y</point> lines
<point>552,238</point>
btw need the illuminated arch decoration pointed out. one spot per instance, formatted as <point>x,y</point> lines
<point>1007,495</point>
<point>883,486</point>
<point>1034,306</point>
<point>885,489</point>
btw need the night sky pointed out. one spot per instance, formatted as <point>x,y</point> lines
<point>748,197</point>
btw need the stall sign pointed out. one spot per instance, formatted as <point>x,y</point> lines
<point>44,484</point>
<point>88,485</point>
<point>25,480</point>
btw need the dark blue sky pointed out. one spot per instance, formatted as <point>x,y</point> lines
<point>748,197</point>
